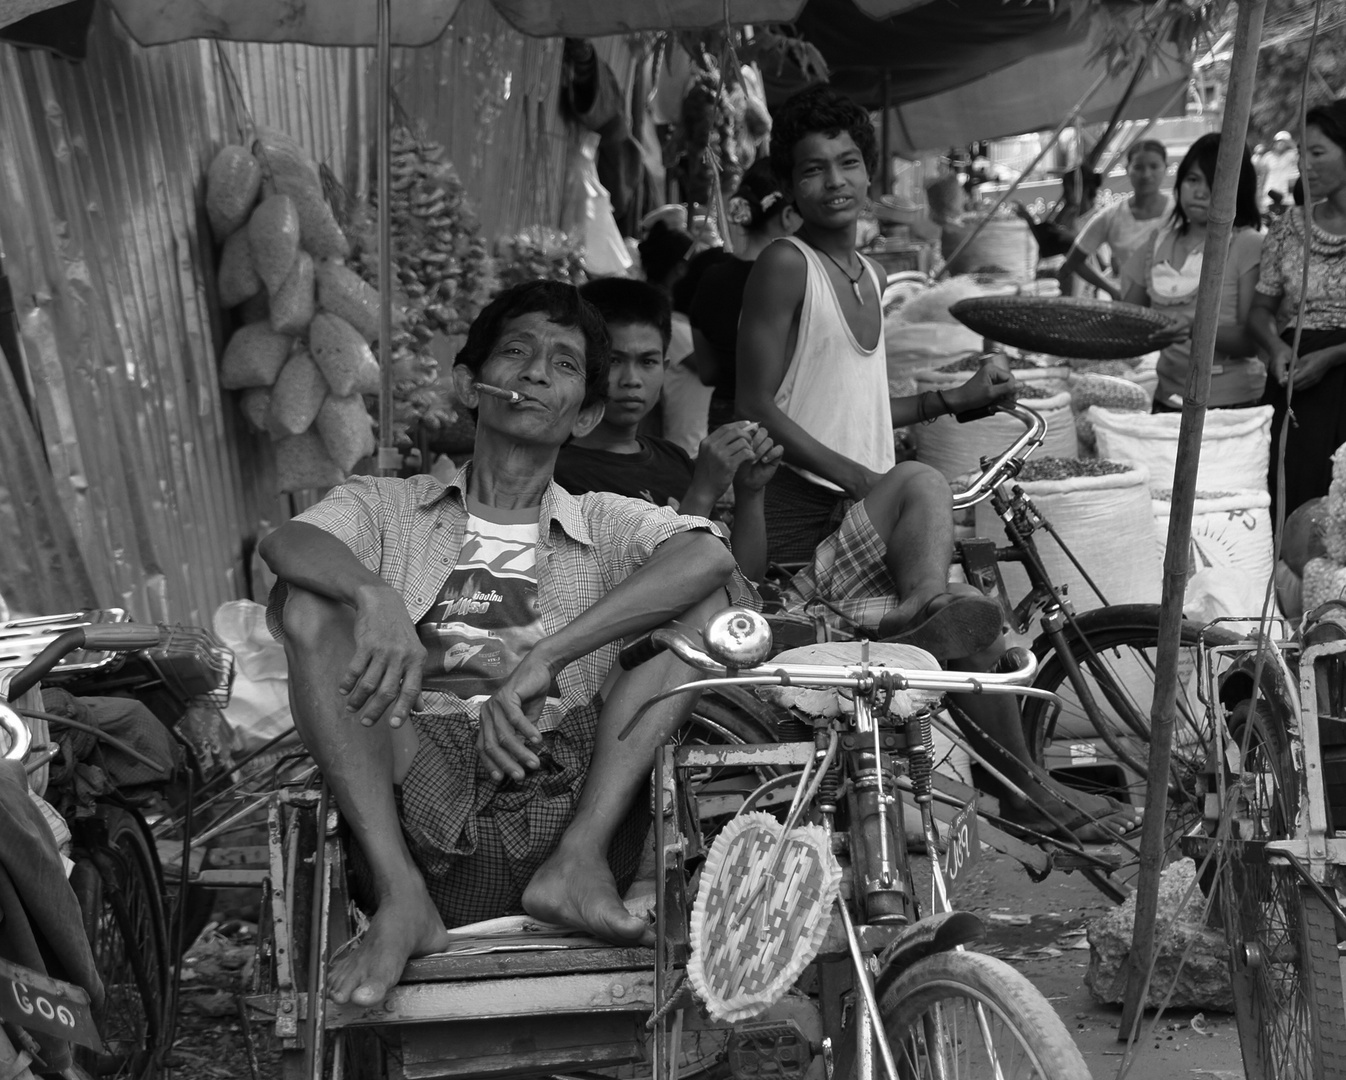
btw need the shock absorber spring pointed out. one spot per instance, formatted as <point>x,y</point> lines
<point>921,751</point>
<point>829,786</point>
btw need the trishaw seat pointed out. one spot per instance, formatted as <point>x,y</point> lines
<point>829,702</point>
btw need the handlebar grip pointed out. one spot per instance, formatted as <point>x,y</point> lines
<point>968,415</point>
<point>645,647</point>
<point>122,637</point>
<point>1015,658</point>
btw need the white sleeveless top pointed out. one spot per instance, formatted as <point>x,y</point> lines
<point>834,389</point>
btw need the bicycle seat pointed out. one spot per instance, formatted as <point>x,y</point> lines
<point>827,702</point>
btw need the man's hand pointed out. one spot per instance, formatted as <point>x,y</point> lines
<point>507,727</point>
<point>992,384</point>
<point>1311,367</point>
<point>755,473</point>
<point>721,454</point>
<point>384,676</point>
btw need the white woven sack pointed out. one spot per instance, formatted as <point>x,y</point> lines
<point>1106,521</point>
<point>913,347</point>
<point>1324,580</point>
<point>1229,530</point>
<point>1235,445</point>
<point>955,448</point>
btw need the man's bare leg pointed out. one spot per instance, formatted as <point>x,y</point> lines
<point>361,764</point>
<point>996,733</point>
<point>575,885</point>
<point>912,509</point>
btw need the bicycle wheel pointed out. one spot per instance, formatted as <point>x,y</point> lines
<point>1105,750</point>
<point>116,881</point>
<point>721,790</point>
<point>968,1014</point>
<point>1282,937</point>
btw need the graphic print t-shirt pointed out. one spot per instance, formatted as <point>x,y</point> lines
<point>486,616</point>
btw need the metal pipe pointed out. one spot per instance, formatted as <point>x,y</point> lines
<point>388,460</point>
<point>867,991</point>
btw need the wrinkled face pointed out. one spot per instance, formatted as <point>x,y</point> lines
<point>1145,170</point>
<point>830,182</point>
<point>542,360</point>
<point>636,377</point>
<point>1324,164</point>
<point>1194,195</point>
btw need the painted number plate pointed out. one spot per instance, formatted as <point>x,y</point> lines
<point>964,845</point>
<point>39,1003</point>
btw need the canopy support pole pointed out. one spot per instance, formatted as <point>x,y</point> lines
<point>1069,118</point>
<point>387,459</point>
<point>1238,106</point>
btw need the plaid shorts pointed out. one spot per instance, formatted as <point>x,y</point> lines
<point>478,842</point>
<point>847,585</point>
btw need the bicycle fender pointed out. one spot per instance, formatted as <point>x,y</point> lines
<point>1236,684</point>
<point>942,932</point>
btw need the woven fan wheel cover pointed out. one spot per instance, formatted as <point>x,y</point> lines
<point>1064,326</point>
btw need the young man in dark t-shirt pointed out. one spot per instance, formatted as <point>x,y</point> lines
<point>614,457</point>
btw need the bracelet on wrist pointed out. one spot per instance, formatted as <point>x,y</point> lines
<point>948,411</point>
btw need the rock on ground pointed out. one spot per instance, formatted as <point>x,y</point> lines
<point>1203,980</point>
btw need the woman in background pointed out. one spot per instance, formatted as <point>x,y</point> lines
<point>762,214</point>
<point>1126,225</point>
<point>1165,272</point>
<point>1320,372</point>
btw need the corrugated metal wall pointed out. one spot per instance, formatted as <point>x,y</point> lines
<point>103,237</point>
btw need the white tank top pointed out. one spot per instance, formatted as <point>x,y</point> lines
<point>834,389</point>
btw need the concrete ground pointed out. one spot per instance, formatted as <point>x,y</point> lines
<point>1038,928</point>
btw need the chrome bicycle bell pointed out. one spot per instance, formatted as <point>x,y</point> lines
<point>738,638</point>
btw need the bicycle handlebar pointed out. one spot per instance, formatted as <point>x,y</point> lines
<point>100,637</point>
<point>1035,428</point>
<point>855,676</point>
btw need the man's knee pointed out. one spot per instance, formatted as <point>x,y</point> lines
<point>313,622</point>
<point>906,487</point>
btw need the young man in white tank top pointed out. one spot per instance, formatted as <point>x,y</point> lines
<point>812,369</point>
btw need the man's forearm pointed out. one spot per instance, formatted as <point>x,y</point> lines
<point>315,560</point>
<point>748,535</point>
<point>802,449</point>
<point>683,570</point>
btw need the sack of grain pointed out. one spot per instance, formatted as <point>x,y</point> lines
<point>1230,530</point>
<point>1235,445</point>
<point>297,396</point>
<point>1333,516</point>
<point>368,379</point>
<point>302,462</point>
<point>346,429</point>
<point>291,171</point>
<point>237,280</point>
<point>255,404</point>
<point>292,305</point>
<point>345,293</point>
<point>1106,391</point>
<point>256,308</point>
<point>955,448</point>
<point>340,351</point>
<point>254,356</point>
<point>1101,511</point>
<point>273,235</point>
<point>913,347</point>
<point>1027,372</point>
<point>1324,580</point>
<point>232,182</point>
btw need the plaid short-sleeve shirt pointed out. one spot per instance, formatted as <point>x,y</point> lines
<point>410,533</point>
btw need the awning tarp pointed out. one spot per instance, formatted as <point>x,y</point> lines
<point>1034,94</point>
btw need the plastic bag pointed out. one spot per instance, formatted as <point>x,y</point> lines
<point>259,708</point>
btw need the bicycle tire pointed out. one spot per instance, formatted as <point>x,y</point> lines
<point>1282,937</point>
<point>938,994</point>
<point>1117,663</point>
<point>118,885</point>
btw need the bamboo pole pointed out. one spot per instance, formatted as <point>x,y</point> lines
<point>1233,133</point>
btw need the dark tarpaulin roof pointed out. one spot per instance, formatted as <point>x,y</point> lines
<point>937,46</point>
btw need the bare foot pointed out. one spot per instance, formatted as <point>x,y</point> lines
<point>405,925</point>
<point>1094,819</point>
<point>576,888</point>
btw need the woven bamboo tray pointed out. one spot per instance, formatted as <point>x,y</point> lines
<point>1064,326</point>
